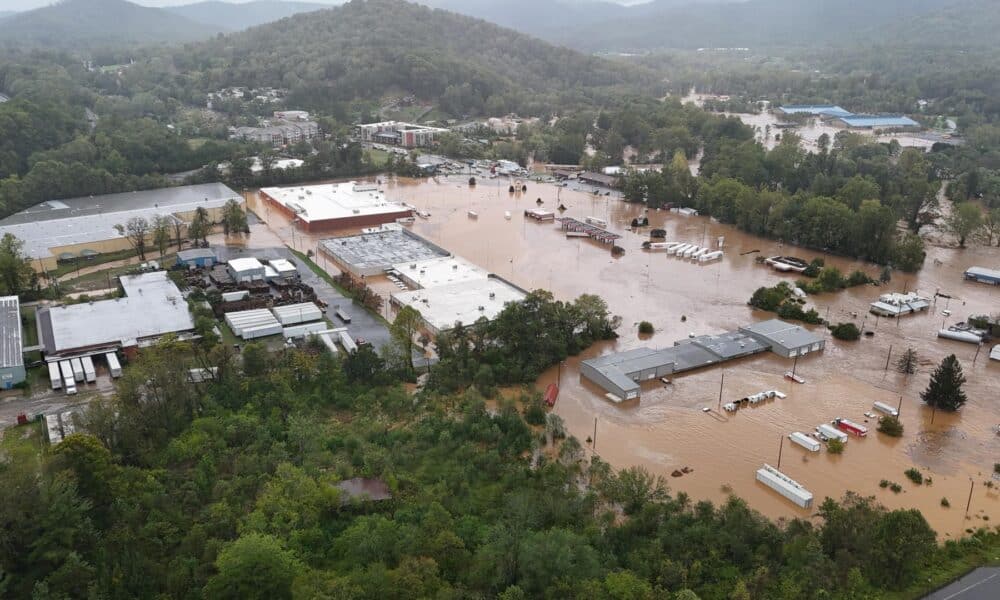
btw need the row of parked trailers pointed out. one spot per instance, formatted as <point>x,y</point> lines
<point>261,322</point>
<point>682,250</point>
<point>65,374</point>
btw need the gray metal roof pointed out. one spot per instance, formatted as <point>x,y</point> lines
<point>381,250</point>
<point>982,272</point>
<point>778,332</point>
<point>75,221</point>
<point>10,333</point>
<point>732,344</point>
<point>195,253</point>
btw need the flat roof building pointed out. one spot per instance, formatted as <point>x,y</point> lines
<point>816,110</point>
<point>152,307</point>
<point>335,206</point>
<point>896,304</point>
<point>397,133</point>
<point>464,302</point>
<point>876,122</point>
<point>197,257</point>
<point>785,339</point>
<point>983,275</point>
<point>438,271</point>
<point>11,351</point>
<point>373,253</point>
<point>85,226</point>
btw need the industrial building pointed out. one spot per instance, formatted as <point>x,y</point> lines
<point>197,258</point>
<point>896,304</point>
<point>983,275</point>
<point>621,373</point>
<point>80,228</point>
<point>246,269</point>
<point>816,110</point>
<point>335,205</point>
<point>373,253</point>
<point>152,307</point>
<point>11,352</point>
<point>785,339</point>
<point>438,271</point>
<point>396,133</point>
<point>875,122</point>
<point>280,269</point>
<point>464,302</point>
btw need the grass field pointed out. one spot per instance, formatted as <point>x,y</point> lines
<point>29,330</point>
<point>69,266</point>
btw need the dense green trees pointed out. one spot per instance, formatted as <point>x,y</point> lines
<point>16,274</point>
<point>944,390</point>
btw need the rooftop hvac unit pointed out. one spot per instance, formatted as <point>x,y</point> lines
<point>357,211</point>
<point>413,265</point>
<point>493,295</point>
<point>481,308</point>
<point>454,267</point>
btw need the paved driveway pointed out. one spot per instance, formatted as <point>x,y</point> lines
<point>981,584</point>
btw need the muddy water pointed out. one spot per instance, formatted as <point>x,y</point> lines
<point>666,429</point>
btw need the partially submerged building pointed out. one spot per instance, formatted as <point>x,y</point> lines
<point>465,302</point>
<point>622,373</point>
<point>875,122</point>
<point>152,307</point>
<point>11,351</point>
<point>815,110</point>
<point>374,253</point>
<point>983,275</point>
<point>81,228</point>
<point>335,205</point>
<point>896,304</point>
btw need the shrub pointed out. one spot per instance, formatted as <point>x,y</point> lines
<point>895,487</point>
<point>884,483</point>
<point>945,503</point>
<point>859,278</point>
<point>890,426</point>
<point>845,331</point>
<point>996,467</point>
<point>835,446</point>
<point>914,475</point>
<point>814,267</point>
<point>646,328</point>
<point>534,412</point>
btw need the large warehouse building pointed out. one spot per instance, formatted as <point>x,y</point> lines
<point>152,307</point>
<point>11,351</point>
<point>465,302</point>
<point>622,373</point>
<point>335,206</point>
<point>369,254</point>
<point>78,228</point>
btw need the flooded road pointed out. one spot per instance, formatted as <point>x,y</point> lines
<point>666,430</point>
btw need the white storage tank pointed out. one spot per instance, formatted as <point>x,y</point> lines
<point>809,443</point>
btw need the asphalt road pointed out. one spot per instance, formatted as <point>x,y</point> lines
<point>981,584</point>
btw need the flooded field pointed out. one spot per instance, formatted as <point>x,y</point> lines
<point>667,430</point>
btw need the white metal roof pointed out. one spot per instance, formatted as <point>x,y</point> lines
<point>242,265</point>
<point>11,354</point>
<point>334,200</point>
<point>152,306</point>
<point>464,302</point>
<point>445,270</point>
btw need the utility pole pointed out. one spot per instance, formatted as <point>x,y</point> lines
<point>595,434</point>
<point>721,383</point>
<point>780,446</point>
<point>887,356</point>
<point>979,347</point>
<point>972,484</point>
<point>898,406</point>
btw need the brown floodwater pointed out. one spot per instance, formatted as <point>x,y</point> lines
<point>667,430</point>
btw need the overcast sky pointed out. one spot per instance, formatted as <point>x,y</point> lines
<point>29,4</point>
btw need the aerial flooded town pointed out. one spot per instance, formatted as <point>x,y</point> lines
<point>395,300</point>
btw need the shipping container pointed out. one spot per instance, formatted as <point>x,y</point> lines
<point>113,365</point>
<point>235,296</point>
<point>807,442</point>
<point>55,377</point>
<point>347,342</point>
<point>77,367</point>
<point>343,316</point>
<point>305,329</point>
<point>882,407</point>
<point>828,432</point>
<point>52,429</point>
<point>785,485</point>
<point>293,314</point>
<point>596,221</point>
<point>69,382</point>
<point>551,394</point>
<point>851,427</point>
<point>89,372</point>
<point>327,339</point>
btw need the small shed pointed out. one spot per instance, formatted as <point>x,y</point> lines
<point>245,269</point>
<point>197,257</point>
<point>284,268</point>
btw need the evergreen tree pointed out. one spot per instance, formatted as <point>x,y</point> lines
<point>907,363</point>
<point>945,388</point>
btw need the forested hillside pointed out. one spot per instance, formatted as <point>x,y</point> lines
<point>79,25</point>
<point>365,49</point>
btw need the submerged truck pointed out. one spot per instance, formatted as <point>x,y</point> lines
<point>828,432</point>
